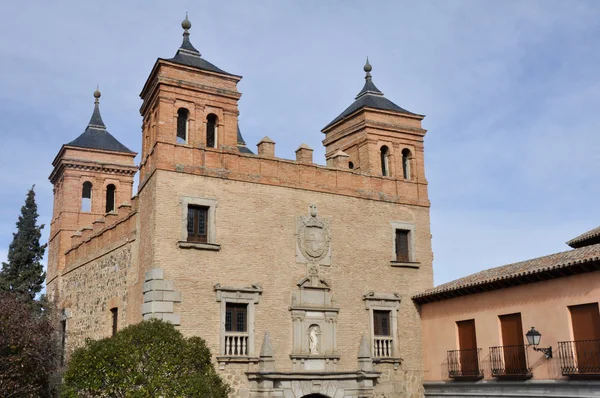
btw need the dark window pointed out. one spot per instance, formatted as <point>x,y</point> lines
<point>211,131</point>
<point>86,196</point>
<point>115,319</point>
<point>197,224</point>
<point>63,340</point>
<point>385,167</point>
<point>406,164</point>
<point>381,323</point>
<point>402,249</point>
<point>182,125</point>
<point>350,165</point>
<point>110,197</point>
<point>235,317</point>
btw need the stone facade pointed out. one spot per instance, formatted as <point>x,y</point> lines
<point>307,250</point>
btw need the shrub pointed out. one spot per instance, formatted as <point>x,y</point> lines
<point>150,359</point>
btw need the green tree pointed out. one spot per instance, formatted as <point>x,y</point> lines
<point>29,347</point>
<point>24,272</point>
<point>149,359</point>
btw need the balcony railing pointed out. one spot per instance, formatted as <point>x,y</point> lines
<point>579,357</point>
<point>464,364</point>
<point>510,361</point>
<point>236,344</point>
<point>383,347</point>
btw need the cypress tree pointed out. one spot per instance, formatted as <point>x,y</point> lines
<point>24,272</point>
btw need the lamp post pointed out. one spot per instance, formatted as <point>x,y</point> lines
<point>533,338</point>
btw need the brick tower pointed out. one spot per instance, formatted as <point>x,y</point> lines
<point>378,136</point>
<point>92,175</point>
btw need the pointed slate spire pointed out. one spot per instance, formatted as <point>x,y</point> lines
<point>188,55</point>
<point>95,135</point>
<point>96,119</point>
<point>369,87</point>
<point>369,97</point>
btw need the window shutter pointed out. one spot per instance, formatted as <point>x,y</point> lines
<point>402,251</point>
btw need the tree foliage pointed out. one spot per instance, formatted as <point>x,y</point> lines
<point>149,359</point>
<point>24,272</point>
<point>29,347</point>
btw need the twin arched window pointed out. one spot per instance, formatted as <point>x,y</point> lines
<point>86,197</point>
<point>385,163</point>
<point>182,126</point>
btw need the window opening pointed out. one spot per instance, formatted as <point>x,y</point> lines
<point>211,130</point>
<point>110,197</point>
<point>406,164</point>
<point>115,320</point>
<point>197,224</point>
<point>381,323</point>
<point>235,317</point>
<point>182,126</point>
<point>86,197</point>
<point>385,169</point>
<point>402,245</point>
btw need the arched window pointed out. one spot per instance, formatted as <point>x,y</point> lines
<point>211,130</point>
<point>350,165</point>
<point>111,191</point>
<point>182,126</point>
<point>385,163</point>
<point>406,164</point>
<point>86,197</point>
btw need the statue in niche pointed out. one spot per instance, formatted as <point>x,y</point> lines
<point>313,340</point>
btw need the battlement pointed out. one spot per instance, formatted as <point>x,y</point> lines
<point>103,233</point>
<point>336,178</point>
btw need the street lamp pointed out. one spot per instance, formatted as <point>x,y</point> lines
<point>533,338</point>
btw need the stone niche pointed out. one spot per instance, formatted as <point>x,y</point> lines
<point>314,323</point>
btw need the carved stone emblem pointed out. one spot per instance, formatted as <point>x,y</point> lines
<point>313,241</point>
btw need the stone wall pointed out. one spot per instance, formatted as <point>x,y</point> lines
<point>89,291</point>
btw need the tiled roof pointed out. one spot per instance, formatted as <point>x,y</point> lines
<point>241,144</point>
<point>95,135</point>
<point>541,268</point>
<point>585,239</point>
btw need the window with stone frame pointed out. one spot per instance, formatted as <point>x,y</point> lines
<point>198,226</point>
<point>237,322</point>
<point>383,309</point>
<point>403,245</point>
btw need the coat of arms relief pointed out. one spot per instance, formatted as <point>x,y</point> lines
<point>312,240</point>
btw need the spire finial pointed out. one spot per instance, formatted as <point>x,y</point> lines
<point>186,24</point>
<point>97,95</point>
<point>368,68</point>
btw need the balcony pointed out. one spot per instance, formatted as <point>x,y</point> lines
<point>236,344</point>
<point>510,362</point>
<point>579,358</point>
<point>464,364</point>
<point>383,347</point>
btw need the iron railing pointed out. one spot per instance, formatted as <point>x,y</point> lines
<point>464,364</point>
<point>509,361</point>
<point>580,357</point>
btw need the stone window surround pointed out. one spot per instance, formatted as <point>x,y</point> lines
<point>211,224</point>
<point>384,302</point>
<point>413,263</point>
<point>249,295</point>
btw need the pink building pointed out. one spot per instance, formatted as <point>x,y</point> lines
<point>477,329</point>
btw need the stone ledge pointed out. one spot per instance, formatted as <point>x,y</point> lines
<point>401,264</point>
<point>396,361</point>
<point>199,246</point>
<point>335,356</point>
<point>224,359</point>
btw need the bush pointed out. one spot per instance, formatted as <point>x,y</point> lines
<point>29,347</point>
<point>150,359</point>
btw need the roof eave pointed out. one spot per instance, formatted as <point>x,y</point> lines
<point>335,123</point>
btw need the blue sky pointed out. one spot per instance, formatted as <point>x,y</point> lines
<point>511,91</point>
